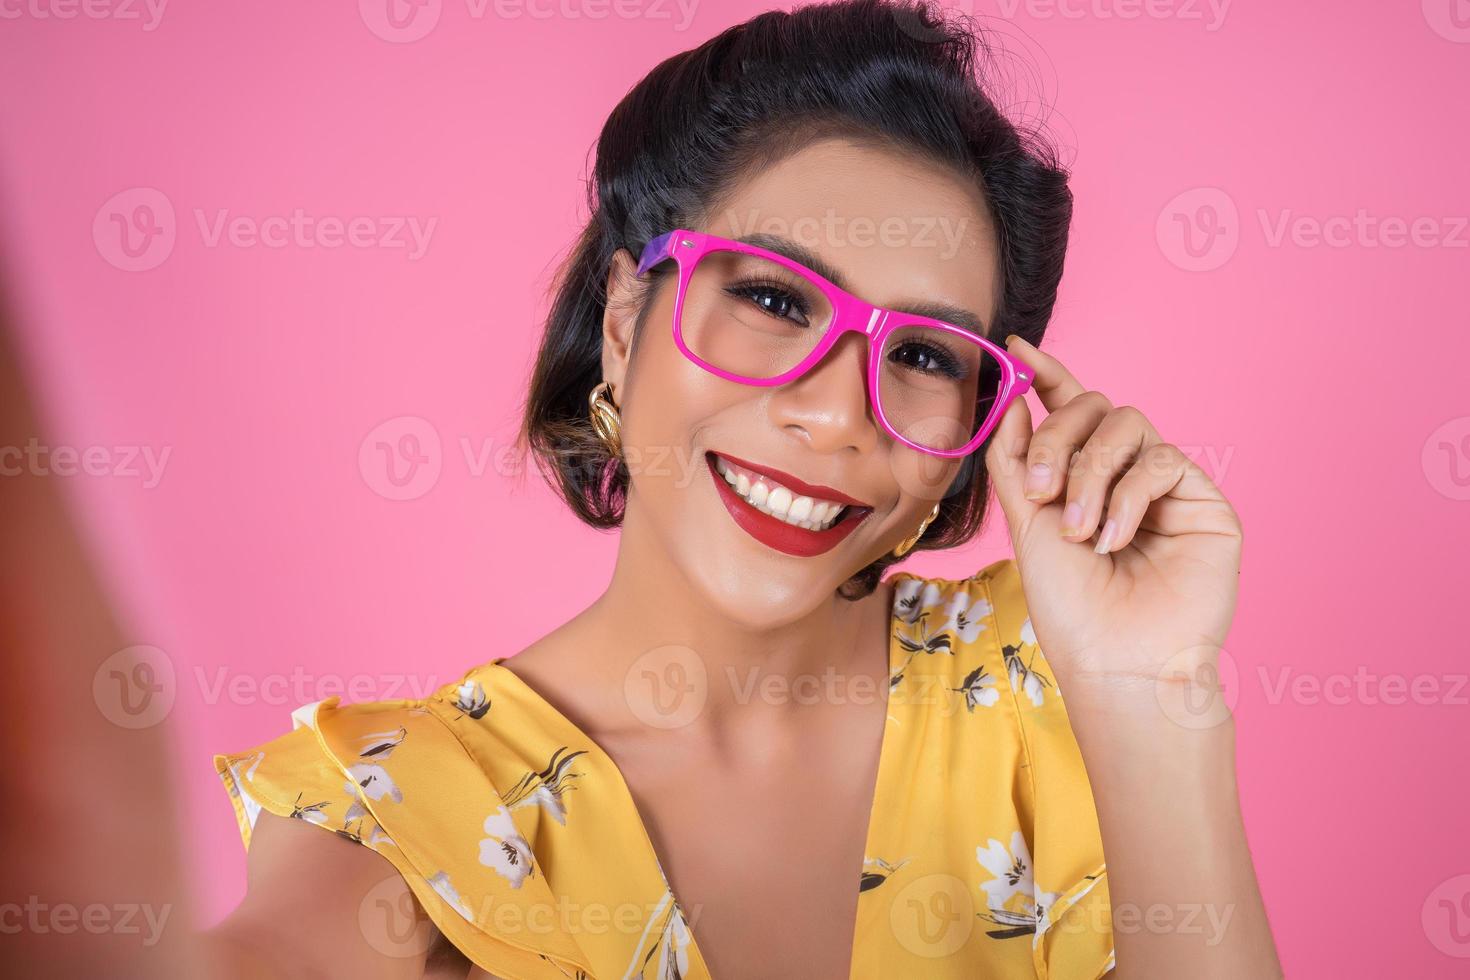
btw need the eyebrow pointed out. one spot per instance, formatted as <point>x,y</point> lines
<point>796,252</point>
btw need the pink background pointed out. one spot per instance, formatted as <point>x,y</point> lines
<point>1323,385</point>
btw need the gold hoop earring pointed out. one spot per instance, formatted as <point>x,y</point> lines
<point>908,543</point>
<point>607,421</point>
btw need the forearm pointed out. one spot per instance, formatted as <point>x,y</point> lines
<point>1182,886</point>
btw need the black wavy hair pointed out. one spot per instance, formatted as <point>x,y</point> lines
<point>898,73</point>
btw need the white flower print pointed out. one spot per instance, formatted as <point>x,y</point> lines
<point>1022,674</point>
<point>913,596</point>
<point>1011,897</point>
<point>673,948</point>
<point>1044,903</point>
<point>550,801</point>
<point>1028,633</point>
<point>1027,680</point>
<point>252,807</point>
<point>470,698</point>
<point>1010,870</point>
<point>979,689</point>
<point>310,812</point>
<point>664,944</point>
<point>966,616</point>
<point>548,787</point>
<point>374,835</point>
<point>505,849</point>
<point>441,884</point>
<point>380,745</point>
<point>374,782</point>
<point>876,871</point>
<point>369,780</point>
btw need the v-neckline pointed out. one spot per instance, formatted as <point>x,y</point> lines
<point>886,755</point>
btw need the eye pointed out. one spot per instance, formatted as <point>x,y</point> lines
<point>772,299</point>
<point>928,358</point>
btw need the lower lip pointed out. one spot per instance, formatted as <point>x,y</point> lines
<point>775,533</point>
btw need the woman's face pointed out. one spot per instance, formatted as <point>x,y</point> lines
<point>899,232</point>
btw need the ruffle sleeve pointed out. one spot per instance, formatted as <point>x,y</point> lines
<point>1074,937</point>
<point>395,777</point>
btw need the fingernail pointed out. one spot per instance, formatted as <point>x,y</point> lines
<point>1037,480</point>
<point>1072,518</point>
<point>1011,336</point>
<point>1105,540</point>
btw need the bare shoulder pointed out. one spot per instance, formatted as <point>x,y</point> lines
<point>320,905</point>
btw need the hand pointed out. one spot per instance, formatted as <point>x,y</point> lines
<point>1162,592</point>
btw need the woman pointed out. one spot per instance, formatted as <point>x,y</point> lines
<point>788,351</point>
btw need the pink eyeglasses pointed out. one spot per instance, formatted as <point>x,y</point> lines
<point>751,315</point>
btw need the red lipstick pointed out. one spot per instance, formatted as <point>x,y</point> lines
<point>793,484</point>
<point>776,533</point>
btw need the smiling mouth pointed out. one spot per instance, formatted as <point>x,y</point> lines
<point>780,517</point>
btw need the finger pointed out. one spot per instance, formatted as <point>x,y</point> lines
<point>1109,453</point>
<point>1164,492</point>
<point>1053,383</point>
<point>1059,436</point>
<point>1005,461</point>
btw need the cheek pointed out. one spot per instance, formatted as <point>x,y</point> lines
<point>672,391</point>
<point>921,477</point>
<point>671,399</point>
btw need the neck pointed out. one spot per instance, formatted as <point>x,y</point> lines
<point>651,629</point>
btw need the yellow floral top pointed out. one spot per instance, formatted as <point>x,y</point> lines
<point>983,855</point>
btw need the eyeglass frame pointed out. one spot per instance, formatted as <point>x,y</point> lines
<point>850,314</point>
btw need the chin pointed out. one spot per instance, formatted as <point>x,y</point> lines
<point>754,595</point>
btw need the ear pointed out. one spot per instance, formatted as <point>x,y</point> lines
<point>618,318</point>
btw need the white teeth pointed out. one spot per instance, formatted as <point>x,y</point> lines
<point>801,509</point>
<point>779,501</point>
<point>771,498</point>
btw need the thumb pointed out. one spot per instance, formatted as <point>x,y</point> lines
<point>1005,460</point>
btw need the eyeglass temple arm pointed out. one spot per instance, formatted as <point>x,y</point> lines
<point>655,252</point>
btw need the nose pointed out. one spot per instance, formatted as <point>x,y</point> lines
<point>829,406</point>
